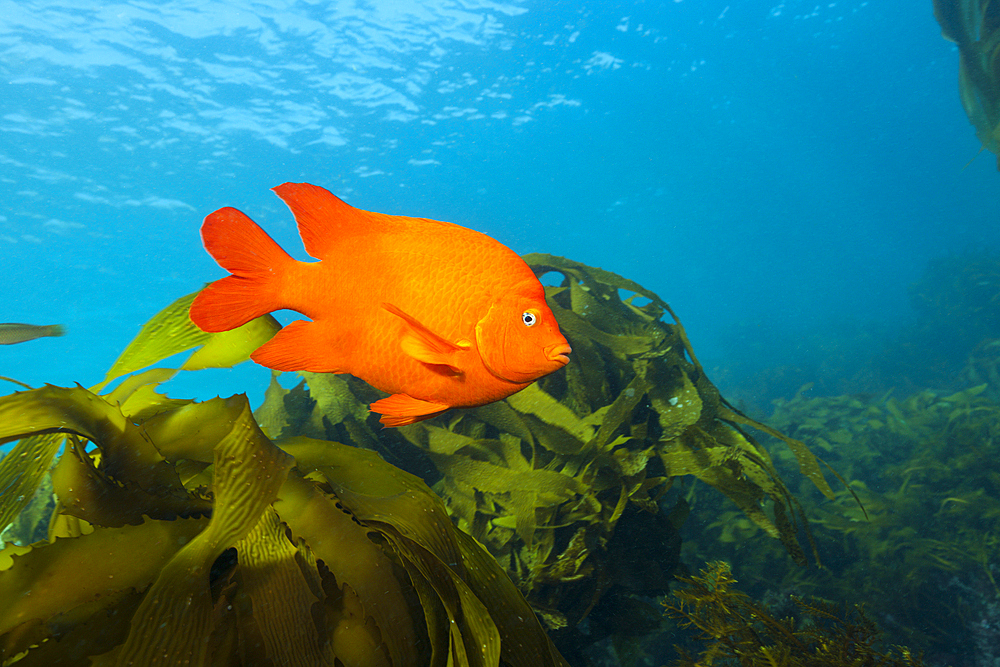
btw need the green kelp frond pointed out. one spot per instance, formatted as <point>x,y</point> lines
<point>734,629</point>
<point>194,539</point>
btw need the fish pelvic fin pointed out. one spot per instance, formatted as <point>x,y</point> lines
<point>401,409</point>
<point>256,263</point>
<point>319,214</point>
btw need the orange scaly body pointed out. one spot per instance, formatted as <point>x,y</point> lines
<point>435,314</point>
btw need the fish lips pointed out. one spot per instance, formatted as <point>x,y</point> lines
<point>558,353</point>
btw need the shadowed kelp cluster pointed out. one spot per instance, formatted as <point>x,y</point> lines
<point>212,536</point>
<point>974,25</point>
<point>926,469</point>
<point>736,630</point>
<point>922,555</point>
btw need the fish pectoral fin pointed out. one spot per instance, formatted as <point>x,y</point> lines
<point>401,409</point>
<point>424,345</point>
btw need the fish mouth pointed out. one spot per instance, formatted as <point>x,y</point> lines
<point>558,353</point>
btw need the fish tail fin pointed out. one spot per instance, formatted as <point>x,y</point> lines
<point>256,263</point>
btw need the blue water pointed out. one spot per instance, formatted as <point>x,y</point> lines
<point>779,164</point>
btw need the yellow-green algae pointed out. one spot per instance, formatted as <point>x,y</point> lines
<point>274,544</point>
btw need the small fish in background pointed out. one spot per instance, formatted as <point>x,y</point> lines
<point>437,315</point>
<point>12,332</point>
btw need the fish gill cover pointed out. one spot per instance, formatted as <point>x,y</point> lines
<point>209,536</point>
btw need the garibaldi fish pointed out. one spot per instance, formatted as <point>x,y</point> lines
<point>437,315</point>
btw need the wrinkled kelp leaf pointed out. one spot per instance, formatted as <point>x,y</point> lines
<point>271,570</point>
<point>173,623</point>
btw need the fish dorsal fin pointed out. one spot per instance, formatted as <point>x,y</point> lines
<point>424,345</point>
<point>322,217</point>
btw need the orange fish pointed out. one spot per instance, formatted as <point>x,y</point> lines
<point>437,315</point>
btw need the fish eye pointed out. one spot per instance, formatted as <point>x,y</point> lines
<point>529,318</point>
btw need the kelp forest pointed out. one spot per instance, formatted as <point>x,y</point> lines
<point>618,512</point>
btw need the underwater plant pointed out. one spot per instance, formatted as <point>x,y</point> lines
<point>736,630</point>
<point>562,482</point>
<point>182,534</point>
<point>922,554</point>
<point>211,535</point>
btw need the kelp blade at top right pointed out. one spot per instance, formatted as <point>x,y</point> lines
<point>974,25</point>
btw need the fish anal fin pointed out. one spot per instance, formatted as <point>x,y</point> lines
<point>300,346</point>
<point>401,409</point>
<point>320,215</point>
<point>424,345</point>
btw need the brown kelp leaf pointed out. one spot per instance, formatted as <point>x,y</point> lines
<point>496,479</point>
<point>56,577</point>
<point>169,332</point>
<point>271,414</point>
<point>281,595</point>
<point>333,396</point>
<point>808,462</point>
<point>71,637</point>
<point>354,639</point>
<point>343,545</point>
<point>620,410</point>
<point>721,468</point>
<point>576,326</point>
<point>524,642</point>
<point>87,492</point>
<point>973,26</point>
<point>126,454</point>
<point>173,621</point>
<point>534,401</point>
<point>678,407</point>
<point>376,490</point>
<point>501,416</point>
<point>474,640</point>
<point>542,263</point>
<point>137,397</point>
<point>192,431</point>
